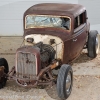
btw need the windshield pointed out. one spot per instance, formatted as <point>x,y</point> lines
<point>36,21</point>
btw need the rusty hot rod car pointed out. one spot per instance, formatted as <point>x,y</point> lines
<point>54,35</point>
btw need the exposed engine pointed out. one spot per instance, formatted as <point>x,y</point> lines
<point>47,53</point>
<point>31,59</point>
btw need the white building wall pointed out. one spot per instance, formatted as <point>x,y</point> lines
<point>11,14</point>
<point>93,12</point>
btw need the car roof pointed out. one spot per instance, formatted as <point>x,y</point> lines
<point>56,9</point>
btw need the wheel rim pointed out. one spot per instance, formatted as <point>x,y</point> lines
<point>97,44</point>
<point>68,83</point>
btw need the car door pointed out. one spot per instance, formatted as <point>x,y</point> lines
<point>79,36</point>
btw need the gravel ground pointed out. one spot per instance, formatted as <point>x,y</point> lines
<point>84,88</point>
<point>86,77</point>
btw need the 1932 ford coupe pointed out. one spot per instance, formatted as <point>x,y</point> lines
<point>54,35</point>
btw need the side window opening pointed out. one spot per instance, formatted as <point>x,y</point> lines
<point>79,20</point>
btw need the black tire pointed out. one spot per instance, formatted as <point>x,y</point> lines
<point>63,74</point>
<point>3,80</point>
<point>93,44</point>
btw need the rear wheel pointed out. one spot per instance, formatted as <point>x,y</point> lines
<point>93,44</point>
<point>64,81</point>
<point>3,62</point>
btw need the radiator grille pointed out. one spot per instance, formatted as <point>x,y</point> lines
<point>26,65</point>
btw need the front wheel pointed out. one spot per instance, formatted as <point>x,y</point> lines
<point>64,81</point>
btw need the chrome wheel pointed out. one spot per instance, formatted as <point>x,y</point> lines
<point>68,83</point>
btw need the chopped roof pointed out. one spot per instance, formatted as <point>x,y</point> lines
<point>55,9</point>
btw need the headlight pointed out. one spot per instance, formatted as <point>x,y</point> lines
<point>30,40</point>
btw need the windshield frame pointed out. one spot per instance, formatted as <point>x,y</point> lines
<point>49,16</point>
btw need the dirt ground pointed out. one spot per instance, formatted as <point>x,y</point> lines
<point>86,85</point>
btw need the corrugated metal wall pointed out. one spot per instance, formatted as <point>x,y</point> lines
<point>11,14</point>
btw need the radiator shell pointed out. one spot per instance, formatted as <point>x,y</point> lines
<point>27,62</point>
